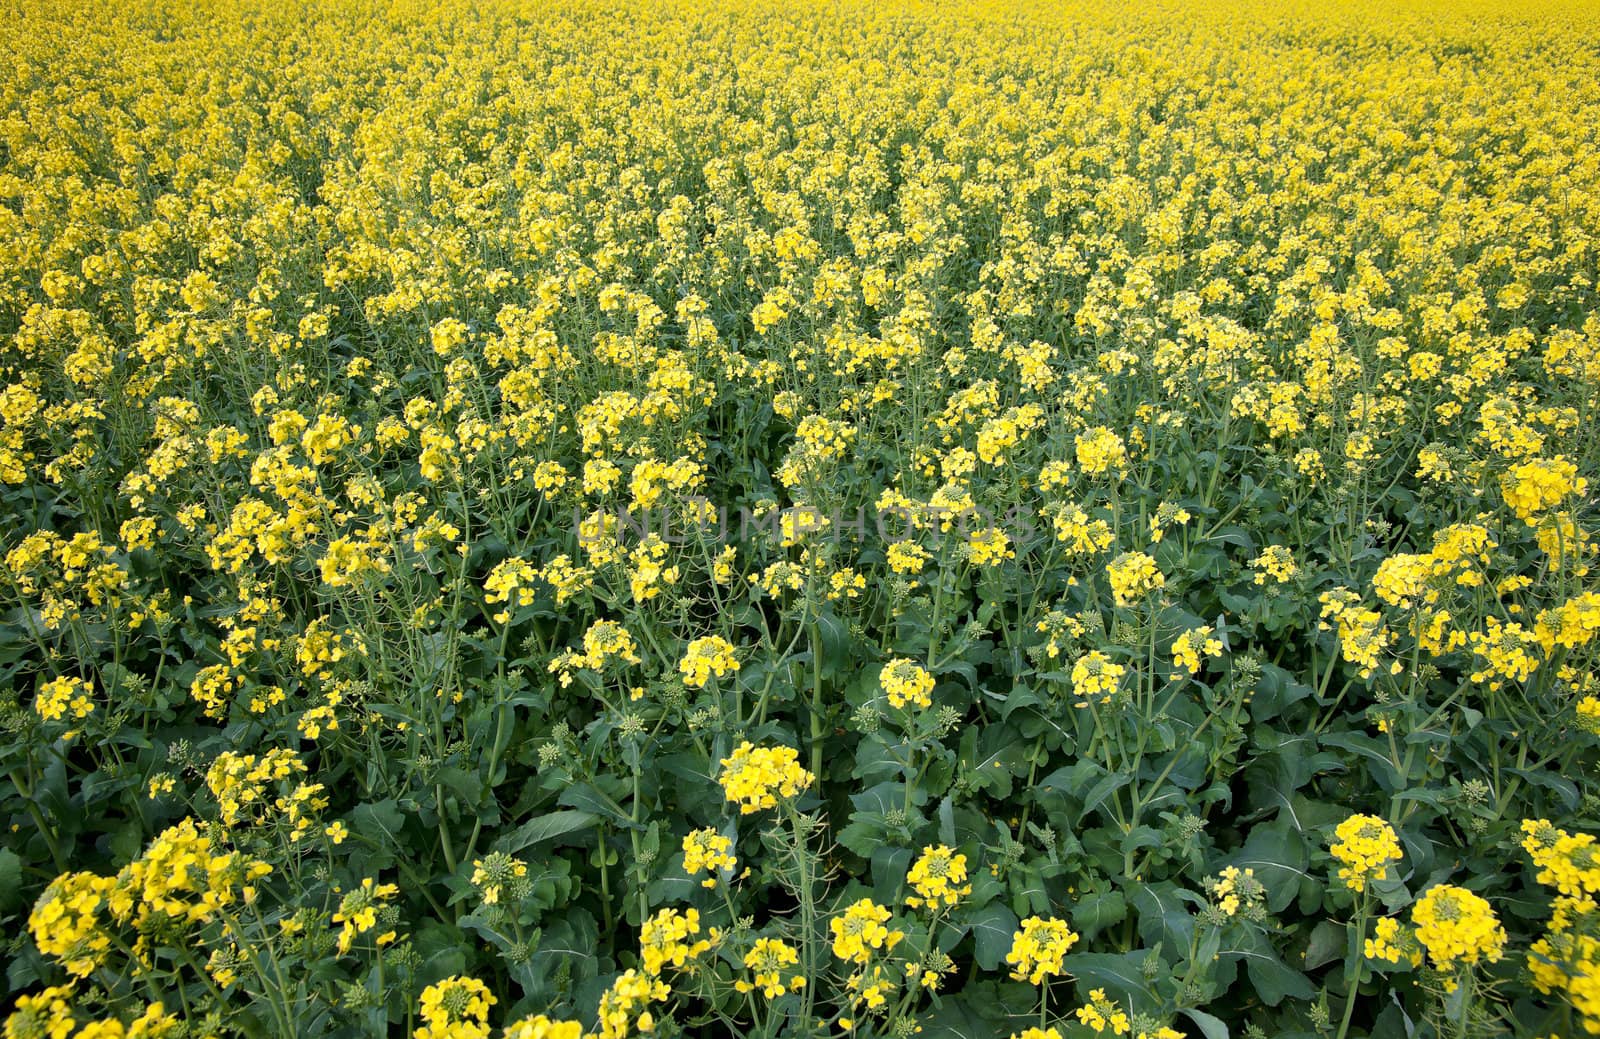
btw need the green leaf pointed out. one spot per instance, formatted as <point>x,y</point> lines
<point>993,929</point>
<point>1327,944</point>
<point>1162,916</point>
<point>1102,790</point>
<point>588,798</point>
<point>1277,854</point>
<point>1093,913</point>
<point>1272,979</point>
<point>1122,975</point>
<point>549,827</point>
<point>10,880</point>
<point>1210,1027</point>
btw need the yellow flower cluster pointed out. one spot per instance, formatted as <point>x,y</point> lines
<point>1100,450</point>
<point>1363,637</point>
<point>939,878</point>
<point>861,930</point>
<point>668,937</point>
<point>1237,892</point>
<point>61,696</point>
<point>1190,649</point>
<point>455,1008</point>
<point>1095,678</point>
<point>707,850</point>
<point>768,960</point>
<point>712,655</point>
<point>358,912</point>
<point>1566,959</point>
<point>1392,943</point>
<point>48,1014</point>
<point>541,1027</point>
<point>1568,862</point>
<point>1535,487</point>
<point>755,778</point>
<point>1133,575</point>
<point>1100,1015</point>
<point>1038,949</point>
<point>624,1006</point>
<point>497,873</point>
<point>182,880</point>
<point>240,782</point>
<point>1506,652</point>
<point>1365,847</point>
<point>1457,928</point>
<point>905,682</point>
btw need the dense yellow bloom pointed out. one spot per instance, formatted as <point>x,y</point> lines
<point>331,327</point>
<point>1100,451</point>
<point>1404,579</point>
<point>1038,949</point>
<point>757,777</point>
<point>541,1027</point>
<point>62,696</point>
<point>712,655</point>
<point>768,961</point>
<point>625,1004</point>
<point>1365,847</point>
<point>1538,486</point>
<point>358,910</point>
<point>1095,678</point>
<point>1363,637</point>
<point>905,682</point>
<point>455,1008</point>
<point>1568,862</point>
<point>1133,576</point>
<point>1082,535</point>
<point>668,937</point>
<point>1190,649</point>
<point>706,849</point>
<point>1505,652</point>
<point>939,878</point>
<point>46,1014</point>
<point>66,921</point>
<point>862,930</point>
<point>1457,928</point>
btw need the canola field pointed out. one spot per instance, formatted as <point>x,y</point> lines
<point>1045,520</point>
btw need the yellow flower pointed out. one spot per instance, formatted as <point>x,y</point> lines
<point>1457,927</point>
<point>61,696</point>
<point>1095,678</point>
<point>757,777</point>
<point>767,961</point>
<point>358,910</point>
<point>905,682</point>
<point>1100,451</point>
<point>706,849</point>
<point>712,655</point>
<point>455,1008</point>
<point>861,930</point>
<point>668,937</point>
<point>1133,576</point>
<point>939,878</point>
<point>1038,949</point>
<point>541,1027</point>
<point>1365,846</point>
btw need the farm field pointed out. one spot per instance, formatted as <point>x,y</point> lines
<point>567,521</point>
